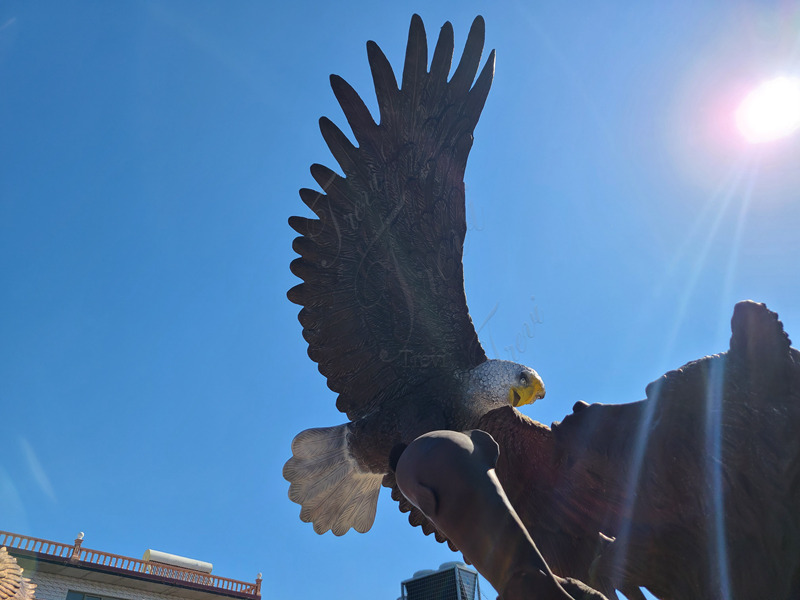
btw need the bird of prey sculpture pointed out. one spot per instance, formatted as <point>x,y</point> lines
<point>384,309</point>
<point>13,585</point>
<point>693,493</point>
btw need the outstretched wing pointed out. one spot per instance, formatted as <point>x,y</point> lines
<point>384,308</point>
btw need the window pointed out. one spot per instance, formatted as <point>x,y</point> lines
<point>73,595</point>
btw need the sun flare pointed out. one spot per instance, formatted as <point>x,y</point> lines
<point>771,111</point>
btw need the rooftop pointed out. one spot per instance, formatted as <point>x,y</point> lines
<point>74,560</point>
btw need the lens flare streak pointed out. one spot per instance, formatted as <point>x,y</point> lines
<point>743,176</point>
<point>713,431</point>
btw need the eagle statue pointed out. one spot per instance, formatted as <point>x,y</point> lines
<point>13,585</point>
<point>692,493</point>
<point>384,310</point>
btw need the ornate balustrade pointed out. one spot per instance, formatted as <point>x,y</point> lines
<point>77,553</point>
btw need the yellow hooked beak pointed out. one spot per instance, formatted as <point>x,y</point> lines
<point>526,393</point>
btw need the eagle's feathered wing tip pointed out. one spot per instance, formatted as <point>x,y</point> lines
<point>327,483</point>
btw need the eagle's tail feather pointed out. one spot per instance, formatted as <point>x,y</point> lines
<point>327,482</point>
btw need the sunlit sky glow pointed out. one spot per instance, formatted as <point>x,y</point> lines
<point>771,111</point>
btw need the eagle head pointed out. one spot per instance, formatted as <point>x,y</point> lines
<point>497,383</point>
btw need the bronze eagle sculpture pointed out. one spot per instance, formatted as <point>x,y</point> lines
<point>692,493</point>
<point>384,310</point>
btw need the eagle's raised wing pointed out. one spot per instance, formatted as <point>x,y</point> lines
<point>383,284</point>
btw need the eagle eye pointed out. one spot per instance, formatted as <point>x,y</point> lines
<point>523,379</point>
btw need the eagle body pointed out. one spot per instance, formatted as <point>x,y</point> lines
<point>336,472</point>
<point>448,403</point>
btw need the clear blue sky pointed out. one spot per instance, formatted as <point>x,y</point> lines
<point>152,372</point>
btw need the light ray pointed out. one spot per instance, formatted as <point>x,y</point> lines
<point>713,431</point>
<point>700,262</point>
<point>726,299</point>
<point>715,408</point>
<point>723,189</point>
<point>728,190</point>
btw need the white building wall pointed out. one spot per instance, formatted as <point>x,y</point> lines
<point>55,587</point>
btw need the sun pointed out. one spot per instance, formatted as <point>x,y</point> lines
<point>771,111</point>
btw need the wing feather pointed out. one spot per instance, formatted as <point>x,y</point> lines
<point>354,109</point>
<point>480,91</point>
<point>342,149</point>
<point>416,64</point>
<point>384,81</point>
<point>442,55</point>
<point>465,72</point>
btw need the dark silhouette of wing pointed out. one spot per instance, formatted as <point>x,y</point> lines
<point>384,308</point>
<point>623,496</point>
